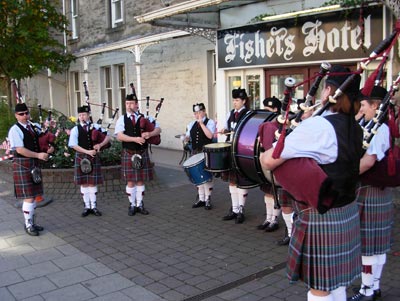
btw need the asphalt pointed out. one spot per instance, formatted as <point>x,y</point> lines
<point>175,253</point>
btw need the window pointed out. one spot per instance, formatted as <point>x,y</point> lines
<point>74,19</point>
<point>76,90</point>
<point>113,81</point>
<point>116,13</point>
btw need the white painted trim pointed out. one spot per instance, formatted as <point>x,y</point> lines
<point>177,9</point>
<point>126,44</point>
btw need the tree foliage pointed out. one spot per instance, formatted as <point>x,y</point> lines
<point>31,38</point>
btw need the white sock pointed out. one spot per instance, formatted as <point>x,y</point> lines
<point>85,196</point>
<point>377,270</point>
<point>139,195</point>
<point>92,196</point>
<point>242,196</point>
<point>208,187</point>
<point>269,207</point>
<point>311,297</point>
<point>29,210</point>
<point>275,214</point>
<point>339,294</point>
<point>201,193</point>
<point>235,198</point>
<point>131,192</point>
<point>287,217</point>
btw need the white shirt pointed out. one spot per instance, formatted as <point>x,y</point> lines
<point>73,137</point>
<point>210,125</point>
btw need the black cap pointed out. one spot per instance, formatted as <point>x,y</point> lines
<point>199,107</point>
<point>83,109</point>
<point>338,75</point>
<point>131,97</point>
<point>21,107</point>
<point>376,93</point>
<point>239,93</point>
<point>272,102</point>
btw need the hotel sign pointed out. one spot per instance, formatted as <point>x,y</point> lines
<point>325,37</point>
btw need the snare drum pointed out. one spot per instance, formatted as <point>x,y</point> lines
<point>218,156</point>
<point>194,168</point>
<point>246,147</point>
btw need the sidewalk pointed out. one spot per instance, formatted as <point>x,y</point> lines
<point>175,253</point>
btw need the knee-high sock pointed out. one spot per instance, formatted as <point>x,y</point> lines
<point>29,210</point>
<point>92,196</point>
<point>234,198</point>
<point>208,187</point>
<point>311,297</point>
<point>242,194</point>
<point>131,192</point>
<point>201,192</point>
<point>85,196</point>
<point>139,195</point>
<point>377,269</point>
<point>287,217</point>
<point>275,213</point>
<point>269,208</point>
<point>339,294</point>
<point>367,278</point>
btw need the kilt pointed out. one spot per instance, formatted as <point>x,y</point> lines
<point>285,199</point>
<point>24,187</point>
<point>136,175</point>
<point>93,178</point>
<point>376,215</point>
<point>325,249</point>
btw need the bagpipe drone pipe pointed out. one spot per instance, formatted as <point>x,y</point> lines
<point>384,173</point>
<point>148,124</point>
<point>303,178</point>
<point>98,135</point>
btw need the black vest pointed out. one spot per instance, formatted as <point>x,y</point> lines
<point>85,138</point>
<point>133,131</point>
<point>197,136</point>
<point>232,119</point>
<point>31,142</point>
<point>344,172</point>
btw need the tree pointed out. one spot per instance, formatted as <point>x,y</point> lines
<point>31,35</point>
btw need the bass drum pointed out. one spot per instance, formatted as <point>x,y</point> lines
<point>246,148</point>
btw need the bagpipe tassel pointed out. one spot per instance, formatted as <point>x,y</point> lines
<point>279,145</point>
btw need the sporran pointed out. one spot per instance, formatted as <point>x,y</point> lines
<point>137,161</point>
<point>36,175</point>
<point>86,166</point>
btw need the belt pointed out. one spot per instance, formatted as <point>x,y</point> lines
<point>134,152</point>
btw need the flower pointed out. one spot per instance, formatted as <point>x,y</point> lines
<point>73,119</point>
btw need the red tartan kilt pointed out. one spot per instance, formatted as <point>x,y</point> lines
<point>93,178</point>
<point>23,183</point>
<point>135,175</point>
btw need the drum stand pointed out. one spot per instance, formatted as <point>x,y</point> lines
<point>186,149</point>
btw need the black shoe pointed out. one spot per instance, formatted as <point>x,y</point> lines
<point>86,212</point>
<point>132,210</point>
<point>360,297</point>
<point>377,294</point>
<point>272,227</point>
<point>142,210</point>
<point>96,212</point>
<point>239,218</point>
<point>263,226</point>
<point>284,241</point>
<point>199,204</point>
<point>30,230</point>
<point>207,205</point>
<point>37,227</point>
<point>230,216</point>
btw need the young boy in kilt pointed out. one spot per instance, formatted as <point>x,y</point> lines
<point>81,140</point>
<point>133,130</point>
<point>25,145</point>
<point>325,247</point>
<point>375,204</point>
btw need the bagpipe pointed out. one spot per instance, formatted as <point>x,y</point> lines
<point>98,135</point>
<point>46,137</point>
<point>148,124</point>
<point>303,178</point>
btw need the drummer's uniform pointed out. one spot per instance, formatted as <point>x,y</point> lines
<point>24,187</point>
<point>325,249</point>
<point>238,195</point>
<point>81,135</point>
<point>130,124</point>
<point>376,215</point>
<point>198,140</point>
